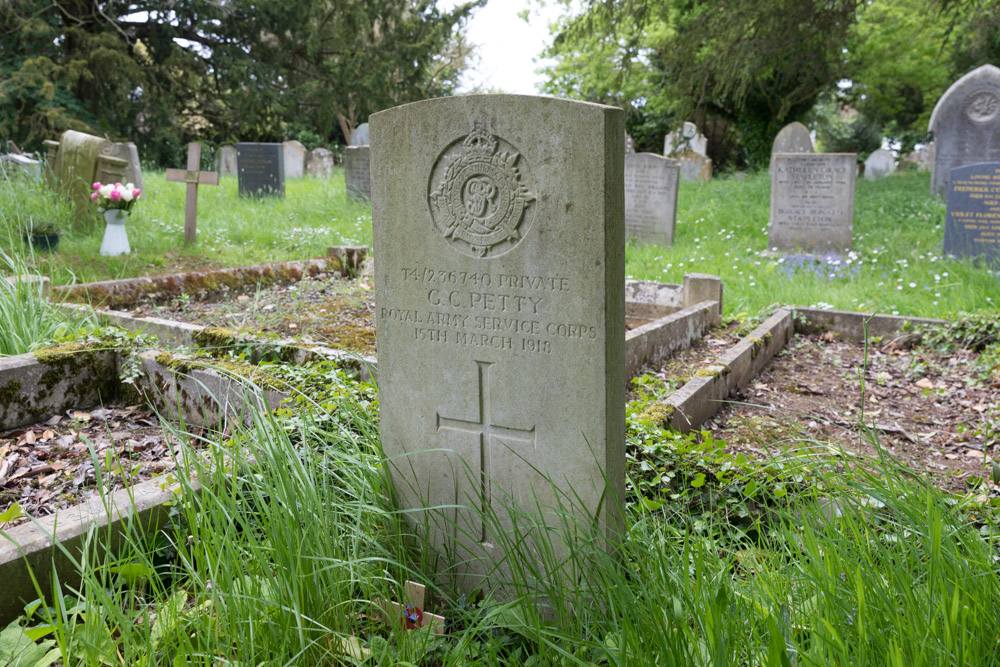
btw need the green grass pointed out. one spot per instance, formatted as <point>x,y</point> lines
<point>276,560</point>
<point>897,264</point>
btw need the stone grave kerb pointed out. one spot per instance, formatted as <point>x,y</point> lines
<point>498,223</point>
<point>966,125</point>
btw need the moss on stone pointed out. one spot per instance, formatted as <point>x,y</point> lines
<point>9,393</point>
<point>215,337</point>
<point>712,371</point>
<point>658,414</point>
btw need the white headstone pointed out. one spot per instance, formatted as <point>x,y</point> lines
<point>225,160</point>
<point>499,287</point>
<point>687,139</point>
<point>295,159</point>
<point>812,201</point>
<point>319,163</point>
<point>966,125</point>
<point>651,197</point>
<point>879,164</point>
<point>360,135</point>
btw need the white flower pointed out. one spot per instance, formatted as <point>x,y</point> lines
<point>129,186</point>
<point>106,190</point>
<point>127,194</point>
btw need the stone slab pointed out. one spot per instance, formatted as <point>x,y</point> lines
<point>261,169</point>
<point>654,342</point>
<point>966,125</point>
<point>651,183</point>
<point>357,172</point>
<point>850,325</point>
<point>33,387</point>
<point>812,201</point>
<point>498,227</point>
<point>320,163</point>
<point>20,165</point>
<point>972,222</point>
<point>879,164</point>
<point>294,154</point>
<point>360,135</point>
<point>695,168</point>
<point>128,151</point>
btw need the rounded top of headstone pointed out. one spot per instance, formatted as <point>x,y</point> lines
<point>360,135</point>
<point>793,138</point>
<point>978,91</point>
<point>652,157</point>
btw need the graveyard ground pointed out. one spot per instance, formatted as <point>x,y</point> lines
<point>896,265</point>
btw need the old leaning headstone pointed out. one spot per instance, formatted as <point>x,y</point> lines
<point>295,158</point>
<point>687,139</point>
<point>357,172</point>
<point>812,202</point>
<point>319,163</point>
<point>972,224</point>
<point>360,135</point>
<point>225,160</point>
<point>793,138</point>
<point>498,223</point>
<point>966,125</point>
<point>128,151</point>
<point>261,169</point>
<point>879,164</point>
<point>77,160</point>
<point>650,197</point>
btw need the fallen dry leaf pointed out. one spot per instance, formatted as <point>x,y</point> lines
<point>924,383</point>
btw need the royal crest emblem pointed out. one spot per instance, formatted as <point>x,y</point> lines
<point>479,194</point>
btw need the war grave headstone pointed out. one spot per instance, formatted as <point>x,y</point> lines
<point>360,135</point>
<point>319,163</point>
<point>812,202</point>
<point>879,164</point>
<point>498,223</point>
<point>357,171</point>
<point>295,158</point>
<point>686,139</point>
<point>193,178</point>
<point>793,138</point>
<point>966,125</point>
<point>650,197</point>
<point>77,160</point>
<point>972,224</point>
<point>261,169</point>
<point>695,167</point>
<point>225,160</point>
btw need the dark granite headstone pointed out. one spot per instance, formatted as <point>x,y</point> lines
<point>972,226</point>
<point>261,169</point>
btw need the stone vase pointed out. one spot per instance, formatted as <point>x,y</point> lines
<point>115,237</point>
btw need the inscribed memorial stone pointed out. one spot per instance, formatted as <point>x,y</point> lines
<point>793,138</point>
<point>225,160</point>
<point>499,286</point>
<point>966,125</point>
<point>295,158</point>
<point>261,169</point>
<point>812,201</point>
<point>972,225</point>
<point>650,197</point>
<point>319,163</point>
<point>357,172</point>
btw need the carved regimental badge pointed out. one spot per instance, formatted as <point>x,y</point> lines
<point>479,195</point>
<point>983,106</point>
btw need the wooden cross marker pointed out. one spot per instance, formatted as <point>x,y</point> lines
<point>193,178</point>
<point>411,613</point>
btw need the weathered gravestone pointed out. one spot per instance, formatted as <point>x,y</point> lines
<point>261,169</point>
<point>687,139</point>
<point>13,165</point>
<point>498,222</point>
<point>879,164</point>
<point>694,167</point>
<point>357,172</point>
<point>78,160</point>
<point>966,125</point>
<point>360,135</point>
<point>972,225</point>
<point>225,160</point>
<point>128,151</point>
<point>793,138</point>
<point>295,158</point>
<point>650,197</point>
<point>319,163</point>
<point>812,201</point>
<point>629,144</point>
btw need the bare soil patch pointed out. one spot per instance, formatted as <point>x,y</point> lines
<point>55,464</point>
<point>938,414</point>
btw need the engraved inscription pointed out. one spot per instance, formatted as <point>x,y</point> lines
<point>983,106</point>
<point>487,433</point>
<point>812,201</point>
<point>480,195</point>
<point>972,225</point>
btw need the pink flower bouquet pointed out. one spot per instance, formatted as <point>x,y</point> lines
<point>115,196</point>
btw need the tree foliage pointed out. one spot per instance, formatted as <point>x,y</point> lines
<point>162,74</point>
